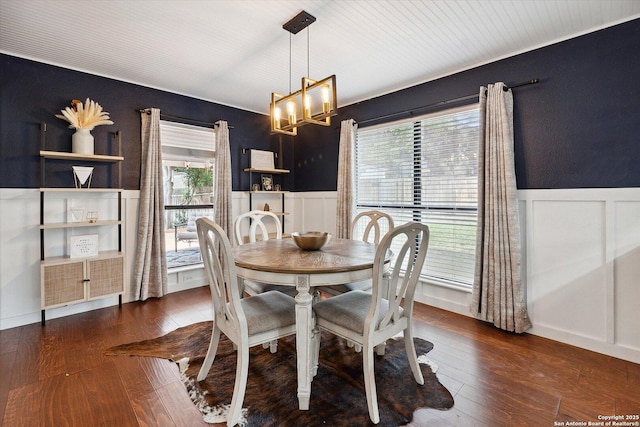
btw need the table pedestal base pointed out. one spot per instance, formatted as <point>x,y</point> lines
<point>307,341</point>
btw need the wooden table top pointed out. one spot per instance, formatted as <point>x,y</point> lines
<point>283,256</point>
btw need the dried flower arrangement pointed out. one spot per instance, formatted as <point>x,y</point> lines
<point>84,117</point>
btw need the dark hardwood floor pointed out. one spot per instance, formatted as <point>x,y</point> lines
<point>57,375</point>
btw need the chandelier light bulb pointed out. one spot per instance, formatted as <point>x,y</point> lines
<point>291,111</point>
<point>277,114</point>
<point>325,99</point>
<point>307,105</point>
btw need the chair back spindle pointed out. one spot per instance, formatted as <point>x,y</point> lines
<point>256,219</point>
<point>221,272</point>
<point>373,221</point>
<point>404,274</point>
<point>257,224</point>
<point>373,224</point>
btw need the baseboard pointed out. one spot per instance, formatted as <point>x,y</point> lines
<point>448,305</point>
<point>54,313</point>
<point>186,278</point>
<point>570,338</point>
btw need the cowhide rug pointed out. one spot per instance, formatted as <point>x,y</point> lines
<point>337,392</point>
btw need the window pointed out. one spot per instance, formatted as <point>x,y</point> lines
<point>187,165</point>
<point>425,169</point>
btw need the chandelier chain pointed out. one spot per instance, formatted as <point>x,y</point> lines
<point>308,68</point>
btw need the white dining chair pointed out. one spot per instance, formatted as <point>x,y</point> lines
<point>256,223</point>
<point>367,226</point>
<point>247,322</point>
<point>369,319</point>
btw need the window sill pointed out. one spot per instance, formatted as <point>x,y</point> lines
<point>447,284</point>
<point>185,268</point>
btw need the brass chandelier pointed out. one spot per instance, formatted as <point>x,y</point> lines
<point>314,103</point>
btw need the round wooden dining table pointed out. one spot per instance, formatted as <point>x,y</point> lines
<point>281,262</point>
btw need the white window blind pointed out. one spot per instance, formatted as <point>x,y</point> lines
<point>425,169</point>
<point>182,142</point>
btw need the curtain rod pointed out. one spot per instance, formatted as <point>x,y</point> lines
<point>448,101</point>
<point>169,116</point>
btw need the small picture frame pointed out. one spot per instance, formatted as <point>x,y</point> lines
<point>83,246</point>
<point>267,182</point>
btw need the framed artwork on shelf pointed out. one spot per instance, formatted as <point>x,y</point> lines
<point>267,182</point>
<point>262,159</point>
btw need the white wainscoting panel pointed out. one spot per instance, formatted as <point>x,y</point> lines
<point>19,257</point>
<point>314,211</point>
<point>568,267</point>
<point>240,204</point>
<point>583,267</point>
<point>581,262</point>
<point>626,270</point>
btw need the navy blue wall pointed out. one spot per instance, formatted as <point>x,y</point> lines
<point>31,92</point>
<point>579,127</point>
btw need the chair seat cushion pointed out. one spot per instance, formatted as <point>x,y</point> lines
<point>187,235</point>
<point>348,310</point>
<point>269,310</point>
<point>365,285</point>
<point>255,288</point>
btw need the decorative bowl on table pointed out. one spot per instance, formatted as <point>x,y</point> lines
<point>310,240</point>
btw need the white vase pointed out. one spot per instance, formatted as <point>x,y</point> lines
<point>82,142</point>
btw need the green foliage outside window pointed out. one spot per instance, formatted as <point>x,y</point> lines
<point>198,180</point>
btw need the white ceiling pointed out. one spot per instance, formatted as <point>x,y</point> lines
<point>236,53</point>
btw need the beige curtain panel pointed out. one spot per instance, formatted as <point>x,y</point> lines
<point>346,190</point>
<point>222,196</point>
<point>150,265</point>
<point>498,295</point>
